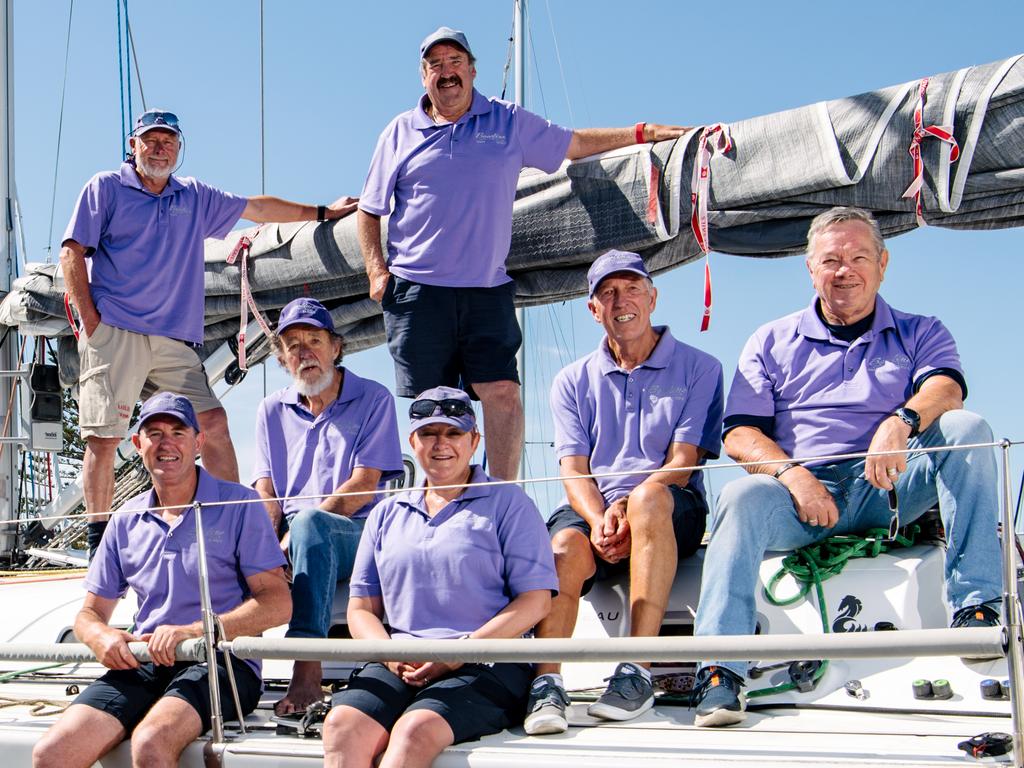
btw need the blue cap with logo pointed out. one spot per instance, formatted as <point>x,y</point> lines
<point>442,405</point>
<point>169,404</point>
<point>612,262</point>
<point>444,35</point>
<point>305,311</point>
<point>156,118</point>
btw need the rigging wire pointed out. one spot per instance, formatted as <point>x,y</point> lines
<point>561,70</point>
<point>509,52</point>
<point>135,59</point>
<point>263,153</point>
<point>120,75</point>
<point>60,130</point>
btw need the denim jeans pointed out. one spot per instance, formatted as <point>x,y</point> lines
<point>756,514</point>
<point>322,547</point>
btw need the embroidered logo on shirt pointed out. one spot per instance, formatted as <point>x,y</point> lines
<point>899,361</point>
<point>495,138</point>
<point>656,392</point>
<point>179,210</point>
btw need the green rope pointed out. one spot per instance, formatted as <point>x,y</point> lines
<point>11,675</point>
<point>818,562</point>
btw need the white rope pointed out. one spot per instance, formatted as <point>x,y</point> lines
<point>830,458</point>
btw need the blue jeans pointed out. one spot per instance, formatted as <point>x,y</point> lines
<point>322,547</point>
<point>756,514</point>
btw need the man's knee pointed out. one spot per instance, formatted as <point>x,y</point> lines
<point>649,505</point>
<point>574,560</point>
<point>306,527</point>
<point>747,499</point>
<point>102,448</point>
<point>503,394</point>
<point>960,427</point>
<point>421,732</point>
<point>50,751</point>
<point>214,423</point>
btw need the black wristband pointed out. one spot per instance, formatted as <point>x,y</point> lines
<point>783,469</point>
<point>321,213</point>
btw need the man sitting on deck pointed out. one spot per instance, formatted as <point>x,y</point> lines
<point>642,401</point>
<point>847,374</point>
<point>150,546</point>
<point>330,432</point>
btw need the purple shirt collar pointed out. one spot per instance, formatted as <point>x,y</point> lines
<point>130,178</point>
<point>660,356</point>
<point>206,493</point>
<point>481,105</point>
<point>812,327</point>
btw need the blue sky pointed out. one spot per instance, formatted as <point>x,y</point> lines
<point>336,72</point>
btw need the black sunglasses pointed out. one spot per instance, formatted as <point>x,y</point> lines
<point>421,409</point>
<point>156,118</point>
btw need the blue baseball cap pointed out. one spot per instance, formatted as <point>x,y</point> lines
<point>169,404</point>
<point>305,311</point>
<point>444,35</point>
<point>156,118</point>
<point>442,405</point>
<point>612,262</point>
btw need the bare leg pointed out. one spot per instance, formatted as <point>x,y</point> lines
<point>503,427</point>
<point>652,557</point>
<point>80,737</point>
<point>218,452</point>
<point>170,726</point>
<point>303,690</point>
<point>574,562</point>
<point>352,739</point>
<point>98,476</point>
<point>417,738</point>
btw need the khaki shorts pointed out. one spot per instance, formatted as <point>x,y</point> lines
<point>118,366</point>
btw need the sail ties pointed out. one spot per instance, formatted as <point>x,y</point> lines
<point>921,132</point>
<point>241,252</point>
<point>713,138</point>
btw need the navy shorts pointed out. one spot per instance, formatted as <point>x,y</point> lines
<point>451,337</point>
<point>475,700</point>
<point>689,517</point>
<point>128,694</point>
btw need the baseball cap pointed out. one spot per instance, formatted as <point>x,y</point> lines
<point>156,118</point>
<point>169,404</point>
<point>305,311</point>
<point>442,405</point>
<point>444,35</point>
<point>612,262</point>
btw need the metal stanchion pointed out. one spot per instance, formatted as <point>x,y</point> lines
<point>1011,611</point>
<point>211,755</point>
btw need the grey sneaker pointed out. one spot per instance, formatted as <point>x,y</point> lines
<point>545,711</point>
<point>629,694</point>
<point>719,698</point>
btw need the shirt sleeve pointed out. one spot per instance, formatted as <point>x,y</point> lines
<point>378,446</point>
<point>261,461</point>
<point>382,174</point>
<point>91,215</point>
<point>365,580</point>
<point>751,392</point>
<point>572,437</point>
<point>700,421</point>
<point>528,563</point>
<point>105,577</point>
<point>257,549</point>
<point>543,143</point>
<point>220,210</point>
<point>934,348</point>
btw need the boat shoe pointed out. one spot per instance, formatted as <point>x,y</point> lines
<point>545,710</point>
<point>718,697</point>
<point>629,694</point>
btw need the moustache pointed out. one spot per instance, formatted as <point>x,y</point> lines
<point>453,80</point>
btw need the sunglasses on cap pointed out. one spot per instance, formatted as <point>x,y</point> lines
<point>156,118</point>
<point>421,409</point>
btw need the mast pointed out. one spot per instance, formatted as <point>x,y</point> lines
<point>9,359</point>
<point>519,70</point>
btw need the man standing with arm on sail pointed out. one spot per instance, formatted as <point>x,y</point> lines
<point>452,164</point>
<point>848,374</point>
<point>141,304</point>
<point>151,547</point>
<point>641,401</point>
<point>330,432</point>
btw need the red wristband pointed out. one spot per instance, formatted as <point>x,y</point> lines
<point>640,133</point>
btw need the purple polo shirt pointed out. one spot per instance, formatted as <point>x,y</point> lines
<point>447,576</point>
<point>147,250</point>
<point>625,421</point>
<point>828,396</point>
<point>305,455</point>
<point>160,560</point>
<point>453,186</point>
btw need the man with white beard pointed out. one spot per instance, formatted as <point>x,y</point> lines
<point>330,432</point>
<point>141,304</point>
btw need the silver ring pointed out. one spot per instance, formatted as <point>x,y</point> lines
<point>892,472</point>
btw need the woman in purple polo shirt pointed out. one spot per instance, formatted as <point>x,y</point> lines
<point>444,563</point>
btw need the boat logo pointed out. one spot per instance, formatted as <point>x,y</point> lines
<point>900,361</point>
<point>494,138</point>
<point>656,392</point>
<point>849,607</point>
<point>179,210</point>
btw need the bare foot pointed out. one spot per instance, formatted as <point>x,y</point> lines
<point>303,690</point>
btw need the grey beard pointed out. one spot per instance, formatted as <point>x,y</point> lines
<point>147,169</point>
<point>312,389</point>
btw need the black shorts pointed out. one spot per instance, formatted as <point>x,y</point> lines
<point>475,700</point>
<point>689,518</point>
<point>128,694</point>
<point>451,337</point>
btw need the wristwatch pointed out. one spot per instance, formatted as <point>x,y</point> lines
<point>911,418</point>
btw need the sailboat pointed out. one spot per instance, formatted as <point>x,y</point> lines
<point>877,722</point>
